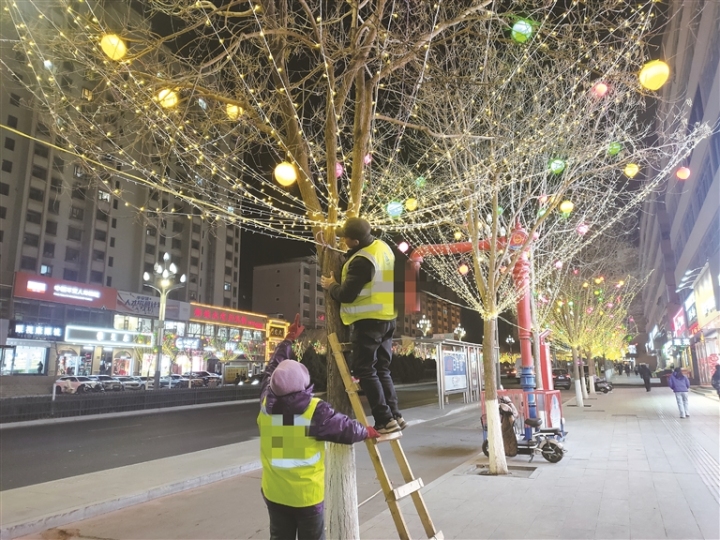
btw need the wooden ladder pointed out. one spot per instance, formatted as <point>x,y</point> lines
<point>392,495</point>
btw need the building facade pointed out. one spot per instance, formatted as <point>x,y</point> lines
<point>680,225</point>
<point>443,315</point>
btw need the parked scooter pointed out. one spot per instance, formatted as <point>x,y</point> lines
<point>544,441</point>
<point>603,385</point>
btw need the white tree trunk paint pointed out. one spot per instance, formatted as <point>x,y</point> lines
<point>341,520</point>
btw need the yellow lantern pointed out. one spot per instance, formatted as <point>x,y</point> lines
<point>458,235</point>
<point>566,207</point>
<point>113,46</point>
<point>631,169</point>
<point>654,74</point>
<point>167,98</point>
<point>411,204</point>
<point>233,111</point>
<point>285,174</point>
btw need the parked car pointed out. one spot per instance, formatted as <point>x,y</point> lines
<point>181,381</point>
<point>209,379</point>
<point>561,379</point>
<point>108,382</point>
<point>132,383</point>
<point>71,384</point>
<point>252,380</point>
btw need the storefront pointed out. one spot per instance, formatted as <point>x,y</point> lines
<point>29,347</point>
<point>276,331</point>
<point>680,344</point>
<point>89,350</point>
<point>705,339</point>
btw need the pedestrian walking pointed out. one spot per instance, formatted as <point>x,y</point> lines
<point>294,426</point>
<point>645,374</point>
<point>366,299</point>
<point>627,370</point>
<point>40,368</point>
<point>715,381</point>
<point>680,384</point>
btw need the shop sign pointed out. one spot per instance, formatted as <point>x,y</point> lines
<point>277,332</point>
<point>679,323</point>
<point>690,310</point>
<point>63,292</point>
<point>192,344</point>
<point>149,306</point>
<point>226,316</point>
<point>45,332</point>
<point>632,349</point>
<point>108,337</point>
<point>681,342</point>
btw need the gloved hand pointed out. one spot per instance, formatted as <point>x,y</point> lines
<point>372,432</point>
<point>295,329</point>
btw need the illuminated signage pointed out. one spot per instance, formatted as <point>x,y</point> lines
<point>86,335</point>
<point>632,349</point>
<point>681,342</point>
<point>44,332</point>
<point>65,292</point>
<point>188,343</point>
<point>679,323</point>
<point>277,332</point>
<point>227,317</point>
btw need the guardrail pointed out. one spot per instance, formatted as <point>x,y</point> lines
<point>18,409</point>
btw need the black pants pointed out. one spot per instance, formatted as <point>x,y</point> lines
<point>646,380</point>
<point>371,357</point>
<point>286,526</point>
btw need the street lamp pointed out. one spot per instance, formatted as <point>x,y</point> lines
<point>510,340</point>
<point>424,325</point>
<point>162,280</point>
<point>459,332</point>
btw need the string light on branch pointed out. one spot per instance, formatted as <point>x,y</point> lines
<point>683,173</point>
<point>285,174</point>
<point>167,98</point>
<point>113,46</point>
<point>631,170</point>
<point>654,74</point>
<point>403,247</point>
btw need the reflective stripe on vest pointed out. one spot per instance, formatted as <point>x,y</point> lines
<point>293,462</point>
<point>376,299</point>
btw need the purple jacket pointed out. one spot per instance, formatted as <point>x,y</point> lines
<point>326,424</point>
<point>679,383</point>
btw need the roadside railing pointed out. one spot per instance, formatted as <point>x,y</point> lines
<point>18,409</point>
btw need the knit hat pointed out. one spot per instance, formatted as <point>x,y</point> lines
<point>355,228</point>
<point>289,377</point>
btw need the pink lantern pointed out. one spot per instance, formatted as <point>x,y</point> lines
<point>543,199</point>
<point>463,269</point>
<point>536,235</point>
<point>683,173</point>
<point>609,305</point>
<point>600,89</point>
<point>367,159</point>
<point>403,246</point>
<point>582,229</point>
<point>339,169</point>
<point>558,264</point>
<point>589,310</point>
<point>576,271</point>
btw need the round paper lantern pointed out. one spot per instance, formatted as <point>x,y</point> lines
<point>233,111</point>
<point>557,166</point>
<point>582,229</point>
<point>654,74</point>
<point>411,204</point>
<point>403,246</point>
<point>566,207</point>
<point>558,264</point>
<point>586,285</point>
<point>339,169</point>
<point>420,182</point>
<point>614,148</point>
<point>683,173</point>
<point>394,209</point>
<point>167,98</point>
<point>285,174</point>
<point>113,46</point>
<point>600,89</point>
<point>367,159</point>
<point>500,210</point>
<point>463,269</point>
<point>631,169</point>
<point>457,235</point>
<point>541,212</point>
<point>522,31</point>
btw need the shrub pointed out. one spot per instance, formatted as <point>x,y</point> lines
<point>316,365</point>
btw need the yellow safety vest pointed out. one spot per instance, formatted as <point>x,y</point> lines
<point>293,462</point>
<point>376,299</point>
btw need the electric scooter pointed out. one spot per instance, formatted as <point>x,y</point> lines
<point>544,441</point>
<point>602,385</point>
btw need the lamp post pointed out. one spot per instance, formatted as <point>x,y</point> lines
<point>459,332</point>
<point>162,280</point>
<point>510,340</point>
<point>424,325</point>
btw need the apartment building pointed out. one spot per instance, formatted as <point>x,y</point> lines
<point>680,226</point>
<point>438,304</point>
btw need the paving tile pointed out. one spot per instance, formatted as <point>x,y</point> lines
<point>688,531</point>
<point>609,531</point>
<point>577,533</point>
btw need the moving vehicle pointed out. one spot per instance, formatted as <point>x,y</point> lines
<point>180,381</point>
<point>108,382</point>
<point>72,384</point>
<point>209,379</point>
<point>561,379</point>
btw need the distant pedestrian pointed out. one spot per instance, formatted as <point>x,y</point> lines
<point>627,369</point>
<point>294,426</point>
<point>237,380</point>
<point>636,371</point>
<point>716,379</point>
<point>680,384</point>
<point>40,368</point>
<point>645,374</point>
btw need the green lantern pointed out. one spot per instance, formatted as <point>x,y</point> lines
<point>614,148</point>
<point>420,182</point>
<point>557,166</point>
<point>522,30</point>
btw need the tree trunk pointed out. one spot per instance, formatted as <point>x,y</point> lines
<point>539,385</point>
<point>591,374</point>
<point>498,463</point>
<point>578,381</point>
<point>341,514</point>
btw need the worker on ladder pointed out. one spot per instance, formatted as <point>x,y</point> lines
<point>366,297</point>
<point>293,428</point>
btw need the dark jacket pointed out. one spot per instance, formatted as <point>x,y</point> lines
<point>715,381</point>
<point>359,272</point>
<point>326,424</point>
<point>678,382</point>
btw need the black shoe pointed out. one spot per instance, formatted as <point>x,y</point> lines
<point>391,427</point>
<point>401,422</point>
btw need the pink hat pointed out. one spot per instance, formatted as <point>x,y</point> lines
<point>289,377</point>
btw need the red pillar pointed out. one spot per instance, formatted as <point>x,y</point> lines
<point>521,276</point>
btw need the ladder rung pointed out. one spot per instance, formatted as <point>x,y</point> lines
<point>407,489</point>
<point>345,347</point>
<point>389,437</point>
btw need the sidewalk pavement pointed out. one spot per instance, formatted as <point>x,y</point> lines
<point>632,380</point>
<point>634,469</point>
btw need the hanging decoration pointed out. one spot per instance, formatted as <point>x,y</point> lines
<point>411,204</point>
<point>457,235</point>
<point>113,46</point>
<point>403,247</point>
<point>420,182</point>
<point>566,207</point>
<point>614,148</point>
<point>394,209</point>
<point>683,173</point>
<point>233,111</point>
<point>582,229</point>
<point>522,30</point>
<point>285,174</point>
<point>167,98</point>
<point>464,269</point>
<point>558,264</point>
<point>339,169</point>
<point>367,159</point>
<point>557,166</point>
<point>631,169</point>
<point>654,74</point>
<point>599,89</point>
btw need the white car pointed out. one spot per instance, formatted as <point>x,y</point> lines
<point>108,382</point>
<point>132,383</point>
<point>71,384</point>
